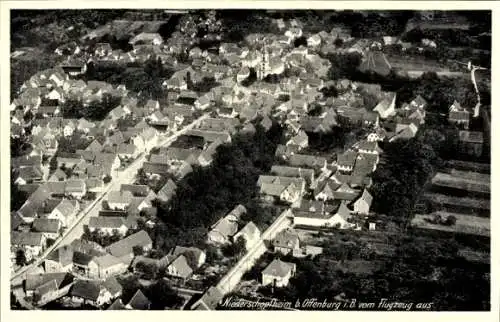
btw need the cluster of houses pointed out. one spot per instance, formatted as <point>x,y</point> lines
<point>266,76</point>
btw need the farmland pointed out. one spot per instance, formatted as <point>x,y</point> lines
<point>465,224</point>
<point>469,166</point>
<point>451,181</point>
<point>376,62</point>
<point>465,202</point>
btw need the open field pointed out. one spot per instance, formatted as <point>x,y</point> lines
<point>483,204</point>
<point>375,61</point>
<point>469,175</point>
<point>415,63</point>
<point>475,256</point>
<point>469,166</point>
<point>464,225</point>
<point>451,181</point>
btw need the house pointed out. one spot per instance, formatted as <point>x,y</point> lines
<point>471,143</point>
<point>179,268</point>
<point>50,228</point>
<point>301,140</point>
<point>106,266</point>
<point>346,160</point>
<point>326,190</point>
<point>147,38</point>
<point>75,188</point>
<point>286,242</point>
<point>39,286</point>
<point>89,292</point>
<point>166,193</point>
<point>59,260</point>
<point>223,230</point>
<point>108,225</point>
<point>286,189</point>
<point>138,302</point>
<point>314,41</point>
<point>294,172</point>
<point>196,254</point>
<point>418,103</point>
<point>335,218</point>
<point>65,212</point>
<point>307,161</point>
<point>404,132</point>
<point>109,162</point>
<point>119,199</point>
<point>378,135</point>
<point>123,249</point>
<point>459,115</point>
<point>386,107</point>
<point>209,300</point>
<point>112,286</point>
<point>31,242</point>
<point>363,204</point>
<point>117,305</point>
<point>52,290</point>
<point>278,273</point>
<point>28,175</point>
<point>250,233</point>
<point>368,147</point>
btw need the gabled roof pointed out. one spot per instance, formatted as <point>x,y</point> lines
<point>249,230</point>
<point>287,238</point>
<point>122,197</point>
<point>167,191</point>
<point>135,189</point>
<point>347,158</point>
<point>139,301</point>
<point>86,289</point>
<point>34,281</point>
<point>117,305</point>
<point>366,197</point>
<point>209,300</point>
<point>182,267</point>
<point>107,261</point>
<point>26,238</point>
<point>106,222</point>
<point>278,268</point>
<point>46,225</point>
<point>63,255</point>
<point>125,246</point>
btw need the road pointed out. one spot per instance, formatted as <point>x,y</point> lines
<point>122,177</point>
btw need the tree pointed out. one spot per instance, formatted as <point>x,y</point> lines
<point>450,220</point>
<point>20,257</point>
<point>137,250</point>
<point>107,179</point>
<point>163,296</point>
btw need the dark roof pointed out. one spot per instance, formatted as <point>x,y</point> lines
<point>112,285</point>
<point>86,289</point>
<point>63,255</point>
<point>82,258</point>
<point>46,225</point>
<point>33,281</point>
<point>139,301</point>
<point>117,305</point>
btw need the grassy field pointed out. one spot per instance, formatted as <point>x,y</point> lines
<point>464,202</point>
<point>465,224</point>
<point>474,255</point>
<point>469,166</point>
<point>415,63</point>
<point>376,62</point>
<point>469,184</point>
<point>469,175</point>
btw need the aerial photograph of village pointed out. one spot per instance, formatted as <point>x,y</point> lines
<point>228,159</point>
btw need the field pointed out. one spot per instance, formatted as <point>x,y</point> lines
<point>474,256</point>
<point>465,224</point>
<point>451,181</point>
<point>376,62</point>
<point>483,204</point>
<point>415,64</point>
<point>469,166</point>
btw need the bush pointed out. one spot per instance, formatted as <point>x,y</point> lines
<point>450,221</point>
<point>107,179</point>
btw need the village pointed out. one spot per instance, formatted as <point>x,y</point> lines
<point>97,190</point>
